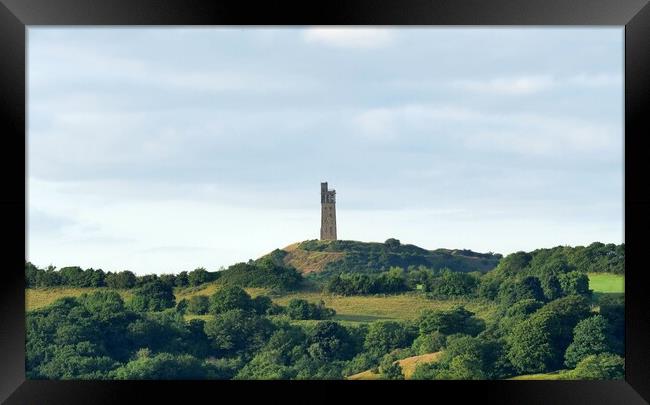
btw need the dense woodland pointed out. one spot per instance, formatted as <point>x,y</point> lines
<point>547,319</point>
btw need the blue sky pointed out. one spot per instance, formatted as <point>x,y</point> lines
<point>164,149</point>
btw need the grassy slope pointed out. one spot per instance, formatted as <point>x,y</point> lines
<point>389,307</point>
<point>349,309</point>
<point>308,262</point>
<point>408,366</point>
<point>41,297</point>
<point>606,282</point>
<point>555,375</point>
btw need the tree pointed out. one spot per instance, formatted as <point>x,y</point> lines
<point>228,298</point>
<point>454,320</point>
<point>451,283</point>
<point>122,280</point>
<point>384,336</point>
<point>590,336</point>
<point>182,279</point>
<point>604,366</point>
<point>575,283</point>
<point>237,331</point>
<point>429,343</point>
<point>530,350</point>
<point>303,309</point>
<point>392,243</point>
<point>330,341</point>
<point>512,291</point>
<point>162,366</point>
<point>390,369</point>
<point>153,296</point>
<point>538,343</point>
<point>198,304</point>
<point>551,286</point>
<point>198,276</point>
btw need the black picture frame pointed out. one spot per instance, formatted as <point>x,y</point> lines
<point>17,15</point>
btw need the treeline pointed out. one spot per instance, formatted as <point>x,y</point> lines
<point>544,274</point>
<point>436,283</point>
<point>262,273</point>
<point>296,309</point>
<point>75,276</point>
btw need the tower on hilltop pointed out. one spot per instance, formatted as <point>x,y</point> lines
<point>328,213</point>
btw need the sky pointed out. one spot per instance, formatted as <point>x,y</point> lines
<point>159,150</point>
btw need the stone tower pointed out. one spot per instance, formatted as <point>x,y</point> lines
<point>328,213</point>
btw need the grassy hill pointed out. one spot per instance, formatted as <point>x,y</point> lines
<point>319,259</point>
<point>408,366</point>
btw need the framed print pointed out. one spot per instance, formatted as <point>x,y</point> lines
<point>483,201</point>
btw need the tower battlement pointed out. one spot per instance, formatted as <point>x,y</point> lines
<point>328,213</point>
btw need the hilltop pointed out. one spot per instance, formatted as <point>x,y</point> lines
<point>319,259</point>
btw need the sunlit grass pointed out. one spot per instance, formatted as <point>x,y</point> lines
<point>42,297</point>
<point>606,282</point>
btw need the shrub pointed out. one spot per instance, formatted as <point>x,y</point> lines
<point>198,304</point>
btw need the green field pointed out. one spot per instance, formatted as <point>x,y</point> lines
<point>606,282</point>
<point>352,309</point>
<point>42,297</point>
<point>555,375</point>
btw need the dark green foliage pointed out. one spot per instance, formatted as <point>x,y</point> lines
<point>153,296</point>
<point>70,276</point>
<point>181,306</point>
<point>385,336</point>
<point>465,358</point>
<point>198,304</point>
<point>488,287</point>
<point>182,279</point>
<point>263,273</point>
<point>614,313</point>
<point>514,290</point>
<point>303,309</point>
<point>551,286</point>
<point>575,283</point>
<point>590,336</point>
<point>390,369</point>
<point>237,331</point>
<point>263,305</point>
<point>605,366</point>
<point>428,343</point>
<point>122,280</point>
<point>162,366</point>
<point>539,342</point>
<point>228,298</point>
<point>453,284</point>
<point>361,362</point>
<point>77,337</point>
<point>146,279</point>
<point>200,276</point>
<point>330,341</point>
<point>454,320</point>
<point>516,313</point>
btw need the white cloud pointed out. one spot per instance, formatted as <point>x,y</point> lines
<point>524,85</point>
<point>596,80</point>
<point>365,38</point>
<point>525,134</point>
<point>507,85</point>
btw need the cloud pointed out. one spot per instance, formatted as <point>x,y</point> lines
<point>520,133</point>
<point>512,85</point>
<point>363,38</point>
<point>525,85</point>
